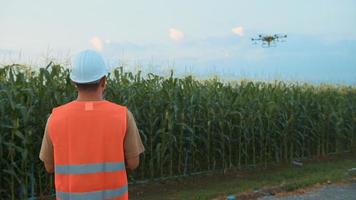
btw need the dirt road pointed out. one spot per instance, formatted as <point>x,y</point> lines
<point>328,192</point>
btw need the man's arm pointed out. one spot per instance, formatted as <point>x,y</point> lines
<point>133,146</point>
<point>49,167</point>
<point>46,152</point>
<point>132,163</point>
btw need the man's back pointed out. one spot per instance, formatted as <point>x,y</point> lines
<point>88,139</point>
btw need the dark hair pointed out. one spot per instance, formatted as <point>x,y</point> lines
<point>91,86</point>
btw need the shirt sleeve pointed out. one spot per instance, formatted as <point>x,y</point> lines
<point>133,146</point>
<point>46,152</point>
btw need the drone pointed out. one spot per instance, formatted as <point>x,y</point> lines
<point>269,40</point>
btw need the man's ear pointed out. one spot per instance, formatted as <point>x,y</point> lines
<point>75,85</point>
<point>103,82</point>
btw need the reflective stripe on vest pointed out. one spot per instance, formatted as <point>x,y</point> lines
<point>97,195</point>
<point>89,168</point>
<point>88,147</point>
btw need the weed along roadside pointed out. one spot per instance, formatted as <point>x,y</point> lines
<point>187,125</point>
<point>252,183</point>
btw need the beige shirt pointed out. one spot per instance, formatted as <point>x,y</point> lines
<point>132,142</point>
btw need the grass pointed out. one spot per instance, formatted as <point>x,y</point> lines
<point>286,178</point>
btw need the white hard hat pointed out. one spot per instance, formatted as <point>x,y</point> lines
<point>88,66</point>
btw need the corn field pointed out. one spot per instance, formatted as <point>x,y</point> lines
<point>186,125</point>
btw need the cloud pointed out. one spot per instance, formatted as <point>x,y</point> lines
<point>97,43</point>
<point>239,30</point>
<point>176,34</point>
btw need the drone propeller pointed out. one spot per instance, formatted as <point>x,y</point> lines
<point>279,36</point>
<point>282,35</point>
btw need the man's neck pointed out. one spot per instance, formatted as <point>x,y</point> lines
<point>89,97</point>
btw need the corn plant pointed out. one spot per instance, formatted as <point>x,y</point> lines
<point>187,125</point>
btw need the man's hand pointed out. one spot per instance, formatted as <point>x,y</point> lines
<point>132,163</point>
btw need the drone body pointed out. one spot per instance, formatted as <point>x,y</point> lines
<point>269,40</point>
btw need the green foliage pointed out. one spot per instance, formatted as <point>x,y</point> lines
<point>283,178</point>
<point>186,125</point>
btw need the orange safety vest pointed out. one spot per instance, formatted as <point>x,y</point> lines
<point>87,139</point>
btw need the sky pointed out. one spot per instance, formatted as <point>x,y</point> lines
<point>200,37</point>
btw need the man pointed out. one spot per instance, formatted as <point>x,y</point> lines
<point>88,143</point>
